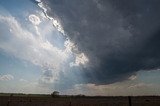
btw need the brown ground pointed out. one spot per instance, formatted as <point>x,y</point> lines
<point>79,101</point>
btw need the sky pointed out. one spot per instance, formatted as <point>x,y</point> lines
<point>91,47</point>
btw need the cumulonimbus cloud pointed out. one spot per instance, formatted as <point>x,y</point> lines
<point>118,37</point>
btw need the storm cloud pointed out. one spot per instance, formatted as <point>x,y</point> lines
<point>119,37</point>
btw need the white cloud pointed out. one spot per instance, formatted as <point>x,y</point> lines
<point>23,80</point>
<point>55,22</point>
<point>38,0</point>
<point>6,77</point>
<point>80,59</point>
<point>27,46</point>
<point>34,19</point>
<point>140,85</point>
<point>133,77</point>
<point>33,46</point>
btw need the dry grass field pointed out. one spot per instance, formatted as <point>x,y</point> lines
<point>79,101</point>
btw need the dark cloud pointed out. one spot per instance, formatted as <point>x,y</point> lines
<point>119,37</point>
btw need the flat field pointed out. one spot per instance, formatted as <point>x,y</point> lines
<point>28,100</point>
